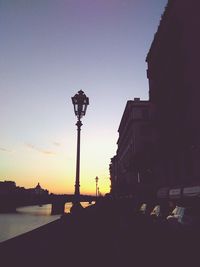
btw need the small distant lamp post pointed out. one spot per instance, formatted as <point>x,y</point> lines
<point>99,194</point>
<point>96,179</point>
<point>80,102</point>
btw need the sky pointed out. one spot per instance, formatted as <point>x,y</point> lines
<point>49,50</point>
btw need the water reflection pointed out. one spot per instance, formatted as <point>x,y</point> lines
<point>84,205</point>
<point>24,220</point>
<point>43,210</point>
<point>27,219</point>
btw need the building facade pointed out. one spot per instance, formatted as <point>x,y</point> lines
<point>173,73</point>
<point>113,176</point>
<point>133,162</point>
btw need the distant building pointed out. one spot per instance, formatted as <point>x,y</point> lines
<point>173,73</point>
<point>12,196</point>
<point>133,162</point>
<point>7,187</point>
<point>113,176</point>
<point>38,190</point>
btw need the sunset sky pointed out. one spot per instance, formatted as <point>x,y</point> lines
<point>50,50</point>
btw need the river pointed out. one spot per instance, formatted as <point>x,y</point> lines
<point>27,219</point>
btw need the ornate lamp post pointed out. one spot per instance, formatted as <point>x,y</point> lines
<point>80,102</point>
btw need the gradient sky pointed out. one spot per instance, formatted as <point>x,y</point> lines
<point>51,49</point>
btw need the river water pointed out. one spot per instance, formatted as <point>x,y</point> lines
<point>27,219</point>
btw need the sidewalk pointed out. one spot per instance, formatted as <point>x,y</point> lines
<point>85,239</point>
<point>103,235</point>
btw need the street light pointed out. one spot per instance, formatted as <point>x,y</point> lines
<point>96,179</point>
<point>80,102</point>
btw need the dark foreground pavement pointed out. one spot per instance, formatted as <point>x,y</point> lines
<point>103,235</point>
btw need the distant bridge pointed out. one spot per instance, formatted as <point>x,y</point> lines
<point>9,202</point>
<point>58,201</point>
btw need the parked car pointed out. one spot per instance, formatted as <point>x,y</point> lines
<point>156,211</point>
<point>185,216</point>
<point>143,208</point>
<point>157,216</point>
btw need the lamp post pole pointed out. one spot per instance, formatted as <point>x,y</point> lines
<point>77,183</point>
<point>80,102</point>
<point>96,186</point>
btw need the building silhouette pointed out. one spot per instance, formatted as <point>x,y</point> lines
<point>133,161</point>
<point>161,147</point>
<point>37,191</point>
<point>12,196</point>
<point>173,70</point>
<point>7,187</point>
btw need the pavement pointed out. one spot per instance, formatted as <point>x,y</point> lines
<point>105,234</point>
